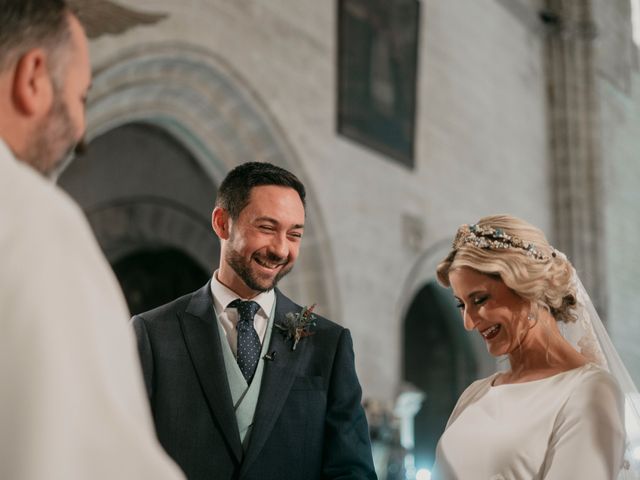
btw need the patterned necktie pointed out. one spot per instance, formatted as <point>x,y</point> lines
<point>249,345</point>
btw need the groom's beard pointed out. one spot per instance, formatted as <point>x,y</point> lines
<point>249,277</point>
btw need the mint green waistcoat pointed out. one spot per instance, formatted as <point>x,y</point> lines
<point>244,397</point>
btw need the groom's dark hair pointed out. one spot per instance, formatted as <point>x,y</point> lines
<point>235,189</point>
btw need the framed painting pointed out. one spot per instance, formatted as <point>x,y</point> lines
<point>377,69</point>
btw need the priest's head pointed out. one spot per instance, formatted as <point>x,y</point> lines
<point>45,76</point>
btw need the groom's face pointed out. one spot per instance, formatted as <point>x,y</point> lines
<point>262,244</point>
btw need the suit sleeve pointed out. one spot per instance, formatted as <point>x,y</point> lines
<point>144,350</point>
<point>347,447</point>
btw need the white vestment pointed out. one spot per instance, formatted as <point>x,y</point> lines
<point>564,427</point>
<point>72,401</point>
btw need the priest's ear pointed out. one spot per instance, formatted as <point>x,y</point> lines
<point>221,222</point>
<point>32,87</point>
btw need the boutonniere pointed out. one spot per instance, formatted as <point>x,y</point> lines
<point>297,325</point>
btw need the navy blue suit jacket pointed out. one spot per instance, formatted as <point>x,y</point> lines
<point>309,422</point>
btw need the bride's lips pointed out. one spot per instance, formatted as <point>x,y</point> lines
<point>491,332</point>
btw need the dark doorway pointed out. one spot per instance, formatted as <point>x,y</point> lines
<point>154,277</point>
<point>149,203</point>
<point>439,360</point>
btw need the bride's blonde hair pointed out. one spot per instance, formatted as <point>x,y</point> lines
<point>519,253</point>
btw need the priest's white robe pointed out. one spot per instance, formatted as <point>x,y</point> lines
<point>72,401</point>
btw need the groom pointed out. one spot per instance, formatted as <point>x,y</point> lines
<point>231,396</point>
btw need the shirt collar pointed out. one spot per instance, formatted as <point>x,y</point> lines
<point>223,296</point>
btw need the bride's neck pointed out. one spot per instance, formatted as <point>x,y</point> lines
<point>542,352</point>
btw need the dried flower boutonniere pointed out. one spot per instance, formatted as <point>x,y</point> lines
<point>298,325</point>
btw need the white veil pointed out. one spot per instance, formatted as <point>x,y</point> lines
<point>589,337</point>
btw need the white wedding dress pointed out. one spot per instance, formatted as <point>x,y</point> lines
<point>567,426</point>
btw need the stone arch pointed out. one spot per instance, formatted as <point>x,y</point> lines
<point>197,98</point>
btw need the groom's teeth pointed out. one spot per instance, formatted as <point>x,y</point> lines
<point>266,264</point>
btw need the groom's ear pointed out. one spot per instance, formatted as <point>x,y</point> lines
<point>220,222</point>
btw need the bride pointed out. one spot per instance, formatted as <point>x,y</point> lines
<point>558,412</point>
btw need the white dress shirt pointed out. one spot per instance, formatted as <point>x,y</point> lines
<point>228,317</point>
<point>72,400</point>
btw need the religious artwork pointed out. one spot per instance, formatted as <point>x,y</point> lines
<point>377,66</point>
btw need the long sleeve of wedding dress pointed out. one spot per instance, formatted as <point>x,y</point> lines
<point>588,436</point>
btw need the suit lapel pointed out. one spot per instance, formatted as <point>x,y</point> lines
<point>277,380</point>
<point>203,342</point>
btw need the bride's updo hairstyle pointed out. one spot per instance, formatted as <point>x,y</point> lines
<point>520,255</point>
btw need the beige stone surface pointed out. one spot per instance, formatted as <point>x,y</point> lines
<point>481,143</point>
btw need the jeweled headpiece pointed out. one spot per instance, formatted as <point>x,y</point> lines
<point>490,238</point>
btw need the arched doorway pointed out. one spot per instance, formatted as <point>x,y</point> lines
<point>154,277</point>
<point>149,203</point>
<point>439,360</point>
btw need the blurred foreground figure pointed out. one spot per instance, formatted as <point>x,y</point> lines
<point>558,411</point>
<point>72,400</point>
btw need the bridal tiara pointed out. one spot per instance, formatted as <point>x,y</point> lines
<point>490,238</point>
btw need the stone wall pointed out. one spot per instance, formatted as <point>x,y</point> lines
<point>619,91</point>
<point>481,140</point>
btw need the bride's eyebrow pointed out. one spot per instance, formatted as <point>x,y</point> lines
<point>471,295</point>
<point>475,293</point>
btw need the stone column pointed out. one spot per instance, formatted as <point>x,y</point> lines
<point>575,150</point>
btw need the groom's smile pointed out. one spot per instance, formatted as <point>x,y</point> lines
<point>262,244</point>
<point>269,265</point>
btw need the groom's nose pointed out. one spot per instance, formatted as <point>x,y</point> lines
<point>279,248</point>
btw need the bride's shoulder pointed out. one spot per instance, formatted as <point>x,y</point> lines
<point>478,387</point>
<point>593,374</point>
<point>485,382</point>
<point>470,394</point>
<point>594,397</point>
<point>594,385</point>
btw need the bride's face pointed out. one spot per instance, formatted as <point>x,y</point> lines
<point>490,307</point>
